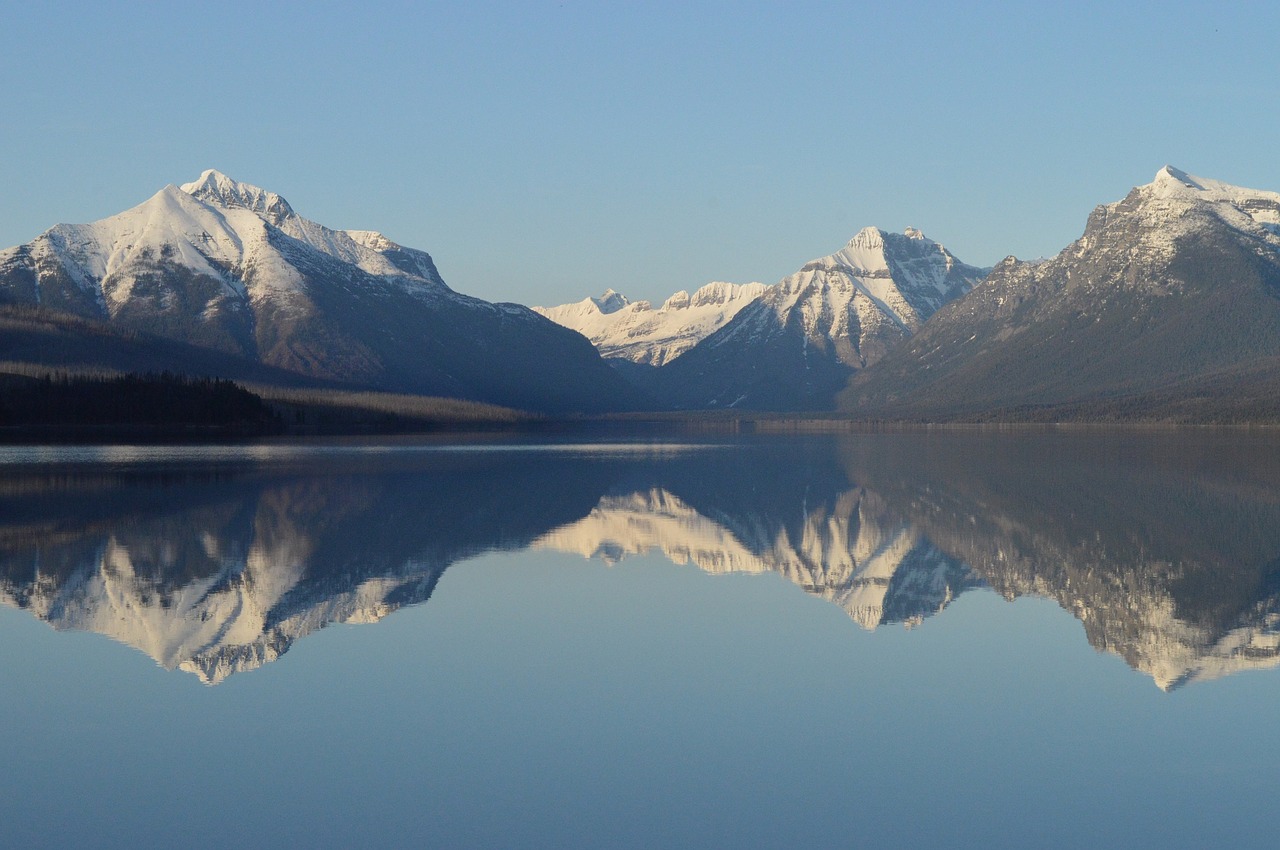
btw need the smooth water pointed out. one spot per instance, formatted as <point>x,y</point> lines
<point>929,640</point>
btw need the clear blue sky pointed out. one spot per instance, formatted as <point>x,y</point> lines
<point>542,151</point>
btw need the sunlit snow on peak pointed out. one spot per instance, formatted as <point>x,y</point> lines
<point>216,187</point>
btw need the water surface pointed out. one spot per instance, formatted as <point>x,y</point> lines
<point>1054,639</point>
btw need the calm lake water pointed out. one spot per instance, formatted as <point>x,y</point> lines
<point>889,640</point>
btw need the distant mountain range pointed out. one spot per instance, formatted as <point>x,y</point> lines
<point>634,331</point>
<point>1167,308</point>
<point>222,277</point>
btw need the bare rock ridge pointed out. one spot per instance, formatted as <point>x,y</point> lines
<point>230,268</point>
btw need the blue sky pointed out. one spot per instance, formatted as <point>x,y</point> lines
<point>545,151</point>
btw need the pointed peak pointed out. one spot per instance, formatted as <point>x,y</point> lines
<point>913,233</point>
<point>610,301</point>
<point>216,188</point>
<point>867,237</point>
<point>1171,175</point>
<point>1174,184</point>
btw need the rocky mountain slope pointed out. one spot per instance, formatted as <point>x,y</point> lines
<point>795,346</point>
<point>1169,304</point>
<point>231,268</point>
<point>622,329</point>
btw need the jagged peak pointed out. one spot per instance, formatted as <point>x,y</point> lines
<point>876,237</point>
<point>610,301</point>
<point>867,237</point>
<point>1169,173</point>
<point>721,292</point>
<point>677,301</point>
<point>217,188</point>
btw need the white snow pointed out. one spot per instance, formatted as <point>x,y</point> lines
<point>1171,183</point>
<point>876,290</point>
<point>218,228</point>
<point>635,331</point>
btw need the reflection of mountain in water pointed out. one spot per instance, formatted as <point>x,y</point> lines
<point>223,572</point>
<point>847,552</point>
<point>1167,548</point>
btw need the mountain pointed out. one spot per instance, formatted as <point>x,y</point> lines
<point>795,346</point>
<point>1167,307</point>
<point>230,268</point>
<point>622,329</point>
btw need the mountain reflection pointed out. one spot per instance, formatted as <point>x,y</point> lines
<point>1166,547</point>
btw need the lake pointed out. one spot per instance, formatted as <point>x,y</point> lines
<point>928,639</point>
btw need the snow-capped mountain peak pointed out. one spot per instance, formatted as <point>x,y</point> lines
<point>1172,184</point>
<point>217,188</point>
<point>610,301</point>
<point>635,331</point>
<point>797,344</point>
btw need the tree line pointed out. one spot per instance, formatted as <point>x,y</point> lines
<point>159,400</point>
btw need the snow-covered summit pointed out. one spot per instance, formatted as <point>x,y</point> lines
<point>796,345</point>
<point>877,288</point>
<point>1174,185</point>
<point>1147,224</point>
<point>635,331</point>
<point>217,228</point>
<point>610,301</point>
<point>217,188</point>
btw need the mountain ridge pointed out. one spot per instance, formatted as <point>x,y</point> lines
<point>622,329</point>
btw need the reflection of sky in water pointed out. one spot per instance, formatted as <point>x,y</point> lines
<point>537,699</point>
<point>540,702</point>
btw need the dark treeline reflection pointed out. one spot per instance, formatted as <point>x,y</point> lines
<point>1165,546</point>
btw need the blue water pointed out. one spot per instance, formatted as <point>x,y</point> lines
<point>501,690</point>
